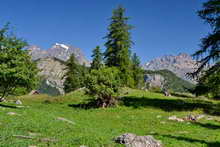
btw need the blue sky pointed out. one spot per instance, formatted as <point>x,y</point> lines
<point>162,27</point>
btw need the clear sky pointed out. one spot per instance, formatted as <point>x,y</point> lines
<point>162,27</point>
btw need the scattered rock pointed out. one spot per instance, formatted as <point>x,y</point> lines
<point>48,140</point>
<point>18,102</point>
<point>175,118</point>
<point>189,117</point>
<point>23,137</point>
<point>12,113</point>
<point>66,120</point>
<point>132,140</point>
<point>34,134</point>
<point>210,118</point>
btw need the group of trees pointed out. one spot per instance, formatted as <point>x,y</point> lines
<point>115,67</point>
<point>112,69</point>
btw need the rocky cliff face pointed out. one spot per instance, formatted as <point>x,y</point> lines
<point>52,71</point>
<point>180,64</point>
<point>52,67</point>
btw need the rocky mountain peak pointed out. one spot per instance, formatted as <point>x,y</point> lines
<point>59,51</point>
<point>180,64</point>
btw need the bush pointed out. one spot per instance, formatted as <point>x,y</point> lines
<point>103,85</point>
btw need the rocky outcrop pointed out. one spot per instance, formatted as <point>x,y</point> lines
<point>154,80</point>
<point>52,72</point>
<point>132,140</point>
<point>180,64</point>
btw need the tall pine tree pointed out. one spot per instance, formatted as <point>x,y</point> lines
<point>118,45</point>
<point>97,58</point>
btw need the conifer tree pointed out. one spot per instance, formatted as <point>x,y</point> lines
<point>118,45</point>
<point>210,46</point>
<point>138,73</point>
<point>73,76</point>
<point>97,58</point>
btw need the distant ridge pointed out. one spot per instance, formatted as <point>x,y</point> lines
<point>59,51</point>
<point>180,65</point>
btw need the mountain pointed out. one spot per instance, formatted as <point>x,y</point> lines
<point>180,65</point>
<point>59,51</point>
<point>51,65</point>
<point>166,78</point>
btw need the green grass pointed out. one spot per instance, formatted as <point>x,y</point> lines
<point>142,113</point>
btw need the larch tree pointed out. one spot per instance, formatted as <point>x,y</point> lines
<point>118,45</point>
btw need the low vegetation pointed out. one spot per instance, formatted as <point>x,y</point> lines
<point>63,121</point>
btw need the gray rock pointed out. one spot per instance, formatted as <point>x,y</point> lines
<point>18,102</point>
<point>180,65</point>
<point>132,140</point>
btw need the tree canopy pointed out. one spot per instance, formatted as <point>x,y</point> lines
<point>17,68</point>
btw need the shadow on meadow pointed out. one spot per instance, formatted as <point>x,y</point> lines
<point>207,125</point>
<point>172,104</point>
<point>191,140</point>
<point>8,106</point>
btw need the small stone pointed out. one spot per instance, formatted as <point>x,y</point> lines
<point>12,113</point>
<point>18,102</point>
<point>200,116</point>
<point>162,122</point>
<point>175,118</point>
<point>83,146</point>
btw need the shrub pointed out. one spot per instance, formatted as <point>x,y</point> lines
<point>103,85</point>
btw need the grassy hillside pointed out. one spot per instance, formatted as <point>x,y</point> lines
<point>175,83</point>
<point>142,113</point>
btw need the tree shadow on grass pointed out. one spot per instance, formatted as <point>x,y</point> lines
<point>191,140</point>
<point>172,104</point>
<point>7,106</point>
<point>207,125</point>
<point>89,104</point>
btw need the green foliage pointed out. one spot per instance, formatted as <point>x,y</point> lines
<point>173,83</point>
<point>210,47</point>
<point>144,111</point>
<point>209,83</point>
<point>75,75</point>
<point>138,73</point>
<point>17,69</point>
<point>104,84</point>
<point>118,46</point>
<point>97,61</point>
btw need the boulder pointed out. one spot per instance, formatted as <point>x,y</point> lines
<point>132,140</point>
<point>18,102</point>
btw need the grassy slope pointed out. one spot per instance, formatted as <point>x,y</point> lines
<point>175,83</point>
<point>96,127</point>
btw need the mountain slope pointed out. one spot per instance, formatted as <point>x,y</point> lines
<point>173,82</point>
<point>180,64</point>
